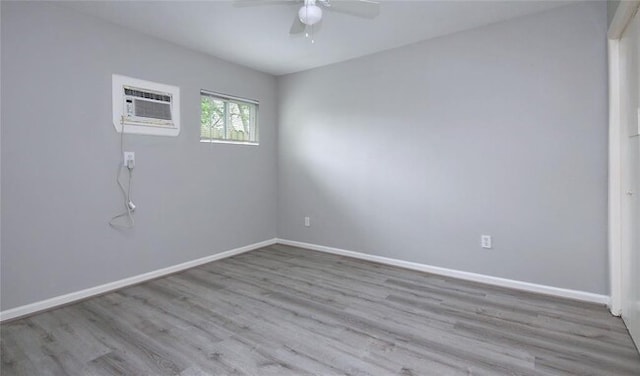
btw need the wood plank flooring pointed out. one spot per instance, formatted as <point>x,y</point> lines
<point>287,311</point>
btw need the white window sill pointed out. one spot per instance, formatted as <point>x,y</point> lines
<point>229,142</point>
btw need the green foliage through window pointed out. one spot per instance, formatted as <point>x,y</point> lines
<point>227,119</point>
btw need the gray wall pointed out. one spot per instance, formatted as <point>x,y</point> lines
<point>612,6</point>
<point>415,152</point>
<point>411,154</point>
<point>60,153</point>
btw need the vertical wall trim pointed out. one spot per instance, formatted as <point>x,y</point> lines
<point>615,180</point>
<point>623,16</point>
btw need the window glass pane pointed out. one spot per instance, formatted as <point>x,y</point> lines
<point>239,129</point>
<point>211,118</point>
<point>205,118</point>
<point>247,120</point>
<point>227,119</point>
<point>217,119</point>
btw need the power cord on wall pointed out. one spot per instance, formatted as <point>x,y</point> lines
<point>126,192</point>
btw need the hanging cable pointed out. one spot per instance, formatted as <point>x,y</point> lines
<point>126,192</point>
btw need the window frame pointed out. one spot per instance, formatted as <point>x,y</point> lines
<point>227,99</point>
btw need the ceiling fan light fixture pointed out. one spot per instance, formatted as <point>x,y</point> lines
<point>310,14</point>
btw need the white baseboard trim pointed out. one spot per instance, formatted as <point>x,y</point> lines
<point>43,305</point>
<point>496,281</point>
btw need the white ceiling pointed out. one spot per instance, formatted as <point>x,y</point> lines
<point>258,36</point>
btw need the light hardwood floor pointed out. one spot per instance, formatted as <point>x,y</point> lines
<point>287,311</point>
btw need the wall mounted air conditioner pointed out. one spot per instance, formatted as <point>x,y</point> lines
<point>145,107</point>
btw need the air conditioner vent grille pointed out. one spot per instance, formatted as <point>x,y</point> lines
<point>154,110</point>
<point>147,95</point>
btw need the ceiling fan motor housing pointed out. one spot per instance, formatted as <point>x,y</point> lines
<point>310,13</point>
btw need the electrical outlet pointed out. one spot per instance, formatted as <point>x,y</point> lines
<point>129,156</point>
<point>485,241</point>
<point>307,222</point>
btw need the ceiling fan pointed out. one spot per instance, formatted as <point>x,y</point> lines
<point>310,12</point>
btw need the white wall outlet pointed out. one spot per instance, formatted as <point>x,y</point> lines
<point>485,241</point>
<point>129,159</point>
<point>307,222</point>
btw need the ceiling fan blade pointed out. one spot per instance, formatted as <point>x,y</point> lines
<point>359,8</point>
<point>253,3</point>
<point>297,26</point>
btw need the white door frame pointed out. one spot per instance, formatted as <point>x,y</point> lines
<point>624,14</point>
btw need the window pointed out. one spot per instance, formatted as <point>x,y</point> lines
<point>225,118</point>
